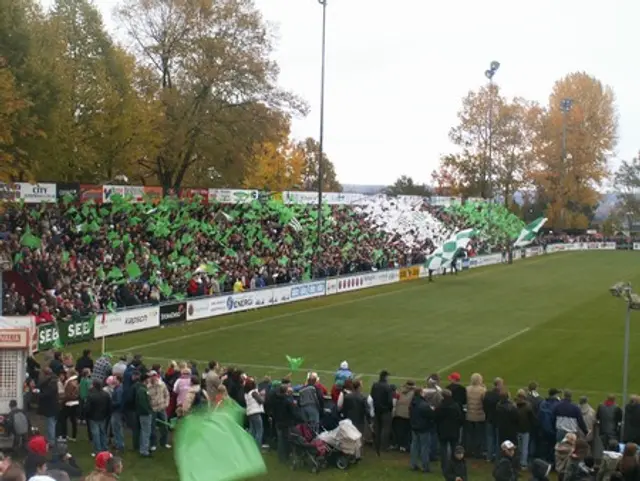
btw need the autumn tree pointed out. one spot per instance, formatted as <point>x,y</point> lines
<point>405,185</point>
<point>311,150</point>
<point>215,80</point>
<point>276,166</point>
<point>627,185</point>
<point>570,181</point>
<point>494,154</point>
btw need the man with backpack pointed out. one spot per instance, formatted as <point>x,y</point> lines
<point>311,403</point>
<point>547,424</point>
<point>18,424</point>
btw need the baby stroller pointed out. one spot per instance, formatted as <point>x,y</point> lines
<point>345,444</point>
<point>305,450</point>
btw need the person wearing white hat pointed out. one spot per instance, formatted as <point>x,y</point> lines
<point>343,373</point>
<point>505,469</point>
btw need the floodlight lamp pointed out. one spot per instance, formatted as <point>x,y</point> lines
<point>617,289</point>
<point>489,74</point>
<point>566,104</point>
<point>495,65</point>
<point>634,301</point>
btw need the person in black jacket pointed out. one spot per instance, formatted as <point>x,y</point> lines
<point>506,419</point>
<point>284,418</point>
<point>422,419</point>
<point>458,391</point>
<point>504,469</point>
<point>382,396</point>
<point>526,427</point>
<point>449,420</point>
<point>457,466</point>
<point>48,405</point>
<point>98,410</point>
<point>62,460</point>
<point>56,364</point>
<point>489,404</point>
<point>85,361</point>
<point>354,405</point>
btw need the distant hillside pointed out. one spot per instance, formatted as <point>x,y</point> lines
<point>362,189</point>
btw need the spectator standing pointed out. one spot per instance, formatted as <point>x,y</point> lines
<point>400,424</point>
<point>284,419</point>
<point>422,419</point>
<point>85,361</point>
<point>458,391</point>
<point>449,420</point>
<point>310,402</point>
<point>255,409</point>
<point>84,387</point>
<point>535,442</point>
<point>563,450</point>
<point>568,417</point>
<point>117,413</point>
<point>71,407</point>
<point>120,367</point>
<point>102,369</point>
<point>609,419</point>
<point>526,426</point>
<point>506,418</point>
<point>48,405</point>
<point>144,413</point>
<point>382,396</point>
<point>546,422</point>
<point>212,380</point>
<point>504,469</point>
<point>489,404</point>
<point>456,469</point>
<point>589,417</point>
<point>56,364</point>
<point>475,416</point>
<point>98,410</point>
<point>631,432</point>
<point>353,405</point>
<point>19,426</point>
<point>182,386</point>
<point>159,399</point>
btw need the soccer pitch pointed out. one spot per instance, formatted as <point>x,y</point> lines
<point>549,318</point>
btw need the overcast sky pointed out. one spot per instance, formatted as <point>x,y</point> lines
<point>397,70</point>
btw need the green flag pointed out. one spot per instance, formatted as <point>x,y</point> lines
<point>133,270</point>
<point>29,240</point>
<point>294,362</point>
<point>529,232</point>
<point>213,446</point>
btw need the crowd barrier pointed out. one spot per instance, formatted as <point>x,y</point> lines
<point>120,322</point>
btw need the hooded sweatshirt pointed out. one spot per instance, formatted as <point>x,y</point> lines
<point>540,470</point>
<point>404,401</point>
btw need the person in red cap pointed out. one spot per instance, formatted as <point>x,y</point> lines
<point>100,472</point>
<point>458,391</point>
<point>37,449</point>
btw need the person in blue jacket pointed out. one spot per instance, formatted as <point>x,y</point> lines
<point>568,418</point>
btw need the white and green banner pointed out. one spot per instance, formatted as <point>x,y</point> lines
<point>529,232</point>
<point>444,254</point>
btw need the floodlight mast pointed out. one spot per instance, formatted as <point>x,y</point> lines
<point>623,290</point>
<point>489,73</point>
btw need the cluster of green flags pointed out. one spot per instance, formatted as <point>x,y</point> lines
<point>181,221</point>
<point>493,223</point>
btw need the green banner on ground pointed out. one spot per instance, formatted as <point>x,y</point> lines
<point>71,332</point>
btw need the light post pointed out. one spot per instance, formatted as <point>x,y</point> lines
<point>623,290</point>
<point>565,108</point>
<point>321,138</point>
<point>493,68</point>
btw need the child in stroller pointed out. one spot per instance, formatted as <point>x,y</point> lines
<point>306,450</point>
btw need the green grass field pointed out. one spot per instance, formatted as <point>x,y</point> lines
<point>549,319</point>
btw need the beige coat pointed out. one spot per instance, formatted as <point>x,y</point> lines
<point>475,411</point>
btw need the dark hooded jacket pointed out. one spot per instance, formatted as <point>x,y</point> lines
<point>449,419</point>
<point>540,470</point>
<point>456,468</point>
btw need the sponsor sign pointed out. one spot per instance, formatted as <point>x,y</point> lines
<point>465,264</point>
<point>191,193</point>
<point>362,281</point>
<point>636,246</point>
<point>111,323</point>
<point>90,192</point>
<point>488,260</point>
<point>64,189</point>
<point>233,196</point>
<point>307,290</point>
<point>153,193</point>
<point>23,322</point>
<point>68,332</point>
<point>14,338</point>
<point>331,198</point>
<point>7,192</point>
<point>171,313</point>
<point>136,192</point>
<point>209,307</point>
<point>409,273</point>
<point>35,193</point>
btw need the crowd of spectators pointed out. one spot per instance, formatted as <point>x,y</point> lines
<point>438,420</point>
<point>185,248</point>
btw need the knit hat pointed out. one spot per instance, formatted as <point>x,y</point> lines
<point>101,460</point>
<point>38,445</point>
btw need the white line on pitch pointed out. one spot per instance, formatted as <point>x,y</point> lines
<point>486,349</point>
<point>265,319</point>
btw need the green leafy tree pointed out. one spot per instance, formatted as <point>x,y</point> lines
<point>311,149</point>
<point>405,185</point>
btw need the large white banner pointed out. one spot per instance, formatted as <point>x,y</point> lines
<point>362,281</point>
<point>29,193</point>
<point>233,196</point>
<point>113,323</point>
<point>136,192</point>
<point>208,307</point>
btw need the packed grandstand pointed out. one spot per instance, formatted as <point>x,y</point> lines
<point>75,254</point>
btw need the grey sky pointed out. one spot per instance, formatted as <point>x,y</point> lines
<point>397,71</point>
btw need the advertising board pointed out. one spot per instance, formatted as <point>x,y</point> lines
<point>111,323</point>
